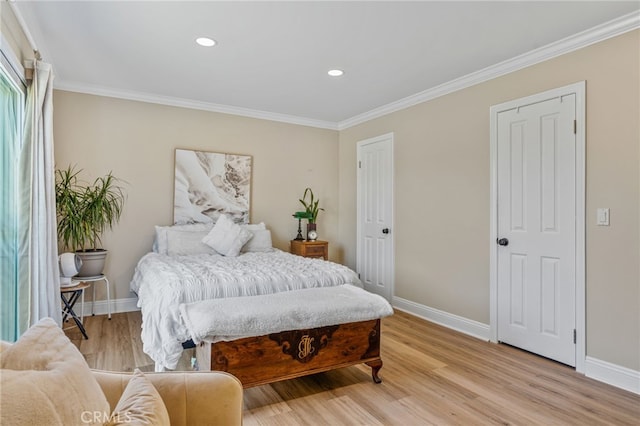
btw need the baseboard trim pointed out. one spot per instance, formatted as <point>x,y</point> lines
<point>612,374</point>
<point>455,322</point>
<point>117,306</point>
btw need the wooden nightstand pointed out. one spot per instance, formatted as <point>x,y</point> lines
<point>305,248</point>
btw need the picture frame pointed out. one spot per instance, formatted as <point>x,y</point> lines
<point>208,184</point>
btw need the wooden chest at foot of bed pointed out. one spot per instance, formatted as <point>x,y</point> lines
<point>290,354</point>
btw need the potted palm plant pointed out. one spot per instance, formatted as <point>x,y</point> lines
<point>84,211</point>
<point>312,208</point>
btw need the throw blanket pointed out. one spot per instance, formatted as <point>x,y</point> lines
<point>164,282</point>
<point>239,317</point>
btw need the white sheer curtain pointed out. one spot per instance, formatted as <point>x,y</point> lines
<point>39,288</point>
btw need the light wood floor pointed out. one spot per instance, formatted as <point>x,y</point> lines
<point>431,375</point>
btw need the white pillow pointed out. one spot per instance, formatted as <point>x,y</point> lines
<point>226,237</point>
<point>255,226</point>
<point>162,238</point>
<point>184,243</point>
<point>261,241</point>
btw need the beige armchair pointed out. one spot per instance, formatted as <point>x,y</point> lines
<point>44,379</point>
<point>191,398</point>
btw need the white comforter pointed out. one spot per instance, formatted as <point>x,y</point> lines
<point>163,282</point>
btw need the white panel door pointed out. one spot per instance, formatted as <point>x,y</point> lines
<point>375,209</point>
<point>536,229</point>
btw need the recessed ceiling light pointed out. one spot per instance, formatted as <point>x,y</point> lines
<point>335,73</point>
<point>205,41</point>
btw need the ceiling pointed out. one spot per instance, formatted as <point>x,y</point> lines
<point>272,58</point>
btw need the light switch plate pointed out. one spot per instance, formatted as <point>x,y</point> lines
<point>602,217</point>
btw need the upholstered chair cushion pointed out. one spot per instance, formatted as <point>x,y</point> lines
<point>140,403</point>
<point>48,381</point>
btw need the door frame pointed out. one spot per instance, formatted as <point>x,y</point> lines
<point>359,248</point>
<point>579,89</point>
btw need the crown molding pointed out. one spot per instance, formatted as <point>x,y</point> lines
<point>569,44</point>
<point>192,104</point>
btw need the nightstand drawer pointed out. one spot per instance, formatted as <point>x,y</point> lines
<point>315,251</point>
<point>319,249</point>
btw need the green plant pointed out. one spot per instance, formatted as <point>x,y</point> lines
<point>311,206</point>
<point>84,210</point>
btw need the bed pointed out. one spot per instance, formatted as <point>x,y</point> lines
<point>182,273</point>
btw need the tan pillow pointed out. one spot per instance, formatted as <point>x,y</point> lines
<point>45,380</point>
<point>140,404</point>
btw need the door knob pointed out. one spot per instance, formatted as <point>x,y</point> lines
<point>503,242</point>
<point>385,231</point>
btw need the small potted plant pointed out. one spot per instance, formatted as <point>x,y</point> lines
<point>84,211</point>
<point>312,209</point>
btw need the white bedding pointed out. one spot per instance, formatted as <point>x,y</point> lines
<point>164,282</point>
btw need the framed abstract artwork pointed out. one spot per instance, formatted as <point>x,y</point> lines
<point>208,184</point>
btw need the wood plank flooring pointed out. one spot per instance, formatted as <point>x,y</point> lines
<point>431,376</point>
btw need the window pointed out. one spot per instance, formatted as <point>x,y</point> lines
<point>12,98</point>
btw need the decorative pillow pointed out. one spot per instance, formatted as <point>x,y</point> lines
<point>164,235</point>
<point>140,404</point>
<point>226,237</point>
<point>45,380</point>
<point>261,241</point>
